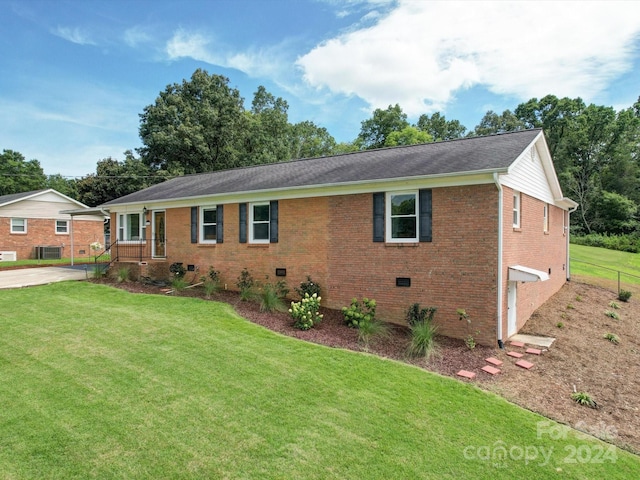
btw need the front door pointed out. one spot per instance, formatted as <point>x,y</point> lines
<point>512,298</point>
<point>159,239</point>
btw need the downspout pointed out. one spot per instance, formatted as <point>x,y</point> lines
<point>496,179</point>
<point>569,212</point>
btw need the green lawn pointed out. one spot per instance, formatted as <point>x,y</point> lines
<point>96,382</point>
<point>591,263</point>
<point>36,262</point>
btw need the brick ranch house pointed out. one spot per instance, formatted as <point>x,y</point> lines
<point>477,223</point>
<point>35,225</point>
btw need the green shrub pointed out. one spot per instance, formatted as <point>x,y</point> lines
<point>357,312</point>
<point>623,243</point>
<point>178,284</point>
<point>306,312</point>
<point>583,398</point>
<point>271,297</point>
<point>415,314</point>
<point>214,275</point>
<point>624,295</point>
<point>210,287</point>
<point>423,340</point>
<point>245,284</point>
<point>178,270</point>
<point>123,274</point>
<point>372,330</point>
<point>309,286</point>
<point>612,314</point>
<point>612,337</point>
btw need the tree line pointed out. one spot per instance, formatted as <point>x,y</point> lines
<point>201,125</point>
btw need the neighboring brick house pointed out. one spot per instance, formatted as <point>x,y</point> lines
<point>32,226</point>
<point>478,224</point>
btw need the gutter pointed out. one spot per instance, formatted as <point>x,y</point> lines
<point>496,180</point>
<point>568,226</point>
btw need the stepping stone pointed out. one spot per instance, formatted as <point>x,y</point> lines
<point>516,344</point>
<point>524,364</point>
<point>466,374</point>
<point>533,351</point>
<point>491,370</point>
<point>515,354</point>
<point>493,361</point>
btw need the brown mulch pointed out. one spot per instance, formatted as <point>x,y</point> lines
<point>580,357</point>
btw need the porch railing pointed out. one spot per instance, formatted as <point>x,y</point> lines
<point>133,250</point>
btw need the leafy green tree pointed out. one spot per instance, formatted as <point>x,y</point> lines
<point>493,123</point>
<point>407,136</point>
<point>193,127</point>
<point>615,214</point>
<point>66,186</point>
<point>18,175</point>
<point>307,140</point>
<point>440,128</point>
<point>114,179</point>
<point>266,138</point>
<point>375,130</point>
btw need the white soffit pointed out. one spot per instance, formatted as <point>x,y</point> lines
<point>518,273</point>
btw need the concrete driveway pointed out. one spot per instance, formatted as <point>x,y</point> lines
<point>26,277</point>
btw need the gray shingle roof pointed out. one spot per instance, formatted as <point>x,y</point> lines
<point>17,196</point>
<point>475,154</point>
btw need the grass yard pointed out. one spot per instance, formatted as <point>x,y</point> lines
<point>96,382</point>
<point>583,266</point>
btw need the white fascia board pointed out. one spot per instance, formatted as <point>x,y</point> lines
<point>327,190</point>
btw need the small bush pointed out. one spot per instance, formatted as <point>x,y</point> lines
<point>214,275</point>
<point>423,339</point>
<point>357,312</point>
<point>245,284</point>
<point>623,243</point>
<point>371,331</point>
<point>178,284</point>
<point>612,337</point>
<point>614,305</point>
<point>624,295</point>
<point>306,312</point>
<point>178,270</point>
<point>309,286</point>
<point>271,297</point>
<point>583,398</point>
<point>210,287</point>
<point>612,314</point>
<point>415,314</point>
<point>559,324</point>
<point>98,271</point>
<point>123,274</point>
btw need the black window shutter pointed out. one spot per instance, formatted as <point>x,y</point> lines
<point>425,215</point>
<point>194,224</point>
<point>220,223</point>
<point>243,223</point>
<point>378,217</point>
<point>273,221</point>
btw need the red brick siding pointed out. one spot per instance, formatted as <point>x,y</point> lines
<point>330,238</point>
<point>41,231</point>
<point>530,246</point>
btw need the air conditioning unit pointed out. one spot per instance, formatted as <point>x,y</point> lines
<point>44,252</point>
<point>8,256</point>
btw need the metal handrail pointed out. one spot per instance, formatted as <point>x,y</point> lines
<point>619,272</point>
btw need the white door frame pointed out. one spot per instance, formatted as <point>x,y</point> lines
<point>512,302</point>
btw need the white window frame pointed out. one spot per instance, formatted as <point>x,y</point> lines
<point>123,230</point>
<point>389,217</point>
<point>66,224</point>
<point>252,238</point>
<point>517,209</point>
<point>545,220</point>
<point>203,224</point>
<point>23,226</point>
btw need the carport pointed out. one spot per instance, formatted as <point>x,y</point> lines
<point>93,212</point>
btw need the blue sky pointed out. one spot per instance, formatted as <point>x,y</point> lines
<point>75,75</point>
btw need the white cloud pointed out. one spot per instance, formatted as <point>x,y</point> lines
<point>74,35</point>
<point>137,35</point>
<point>421,53</point>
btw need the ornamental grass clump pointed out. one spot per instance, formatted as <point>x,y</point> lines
<point>306,313</point>
<point>423,331</point>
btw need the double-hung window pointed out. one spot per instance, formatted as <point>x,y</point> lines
<point>62,227</point>
<point>208,224</point>
<point>516,209</point>
<point>259,219</point>
<point>402,216</point>
<point>18,225</point>
<point>131,227</point>
<point>546,218</point>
